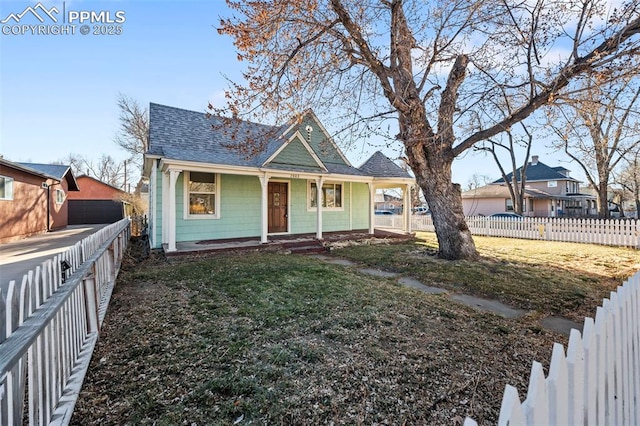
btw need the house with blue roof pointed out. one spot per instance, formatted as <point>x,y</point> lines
<point>33,198</point>
<point>549,192</point>
<point>215,178</point>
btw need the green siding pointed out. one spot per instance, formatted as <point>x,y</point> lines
<point>355,201</point>
<point>296,154</point>
<point>324,149</point>
<point>239,211</point>
<point>360,211</point>
<point>240,204</point>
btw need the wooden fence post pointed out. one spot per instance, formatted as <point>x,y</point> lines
<point>576,377</point>
<point>91,300</point>
<point>558,387</point>
<point>598,381</point>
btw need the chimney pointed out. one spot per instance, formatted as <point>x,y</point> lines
<point>534,160</point>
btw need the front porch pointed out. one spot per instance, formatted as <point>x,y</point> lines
<point>300,243</point>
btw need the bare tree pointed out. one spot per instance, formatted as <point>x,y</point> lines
<point>433,66</point>
<point>133,134</point>
<point>629,179</point>
<point>510,141</point>
<point>105,168</point>
<point>518,181</point>
<point>476,181</point>
<point>598,128</point>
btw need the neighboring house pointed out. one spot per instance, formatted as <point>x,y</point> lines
<point>549,192</point>
<point>388,202</point>
<point>206,184</point>
<point>33,198</point>
<point>616,200</point>
<point>96,202</point>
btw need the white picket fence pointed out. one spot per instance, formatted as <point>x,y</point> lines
<point>614,232</point>
<point>597,381</point>
<point>50,326</point>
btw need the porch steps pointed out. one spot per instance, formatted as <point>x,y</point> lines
<point>305,247</point>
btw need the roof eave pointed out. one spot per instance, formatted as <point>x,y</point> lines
<point>26,169</point>
<point>169,164</point>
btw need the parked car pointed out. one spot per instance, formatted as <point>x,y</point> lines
<point>421,211</point>
<point>506,215</point>
<point>509,221</point>
<point>385,212</point>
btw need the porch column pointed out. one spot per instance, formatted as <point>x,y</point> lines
<point>319,201</point>
<point>153,202</point>
<point>407,209</point>
<point>165,209</point>
<point>264,184</point>
<point>372,207</point>
<point>173,178</point>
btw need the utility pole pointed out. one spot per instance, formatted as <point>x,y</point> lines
<point>125,175</point>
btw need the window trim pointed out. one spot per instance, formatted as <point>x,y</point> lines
<point>58,197</point>
<point>10,180</point>
<point>508,201</point>
<point>324,208</point>
<point>188,216</point>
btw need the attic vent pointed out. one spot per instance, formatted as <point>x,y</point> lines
<point>309,129</point>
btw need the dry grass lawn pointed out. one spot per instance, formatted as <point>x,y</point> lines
<point>268,338</point>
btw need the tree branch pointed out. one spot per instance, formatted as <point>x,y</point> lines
<point>564,77</point>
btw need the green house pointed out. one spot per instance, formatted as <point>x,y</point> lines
<point>213,178</point>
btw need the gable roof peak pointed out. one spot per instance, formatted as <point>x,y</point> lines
<point>57,171</point>
<point>379,165</point>
<point>183,135</point>
<point>538,171</point>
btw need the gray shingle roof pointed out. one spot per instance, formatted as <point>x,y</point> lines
<point>539,172</point>
<point>379,165</point>
<point>18,166</point>
<point>188,135</point>
<point>185,135</point>
<point>56,171</point>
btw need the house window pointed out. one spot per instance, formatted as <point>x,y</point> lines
<point>508,205</point>
<point>59,196</point>
<point>331,195</point>
<point>202,192</point>
<point>6,188</point>
<point>552,184</point>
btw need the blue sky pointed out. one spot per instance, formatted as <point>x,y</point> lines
<point>58,92</point>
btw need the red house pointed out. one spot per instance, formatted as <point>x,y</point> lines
<point>33,198</point>
<point>96,202</point>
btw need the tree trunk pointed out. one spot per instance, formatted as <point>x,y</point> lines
<point>517,195</point>
<point>445,202</point>
<point>430,156</point>
<point>603,202</point>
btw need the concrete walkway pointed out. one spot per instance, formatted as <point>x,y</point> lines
<point>556,324</point>
<point>19,257</point>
